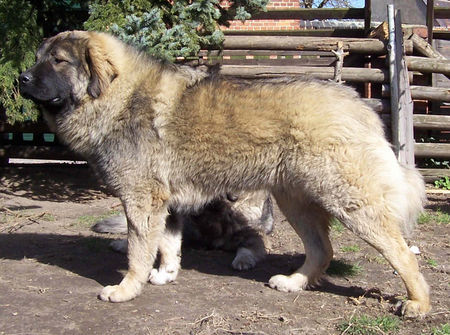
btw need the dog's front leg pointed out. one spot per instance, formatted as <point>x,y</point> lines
<point>146,223</point>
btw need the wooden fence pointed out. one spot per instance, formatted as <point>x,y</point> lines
<point>338,54</point>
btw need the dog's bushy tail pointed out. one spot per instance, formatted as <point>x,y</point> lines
<point>416,196</point>
<point>114,224</point>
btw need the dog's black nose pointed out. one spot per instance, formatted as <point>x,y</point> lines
<point>25,78</point>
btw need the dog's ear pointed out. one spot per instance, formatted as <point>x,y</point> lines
<point>101,68</point>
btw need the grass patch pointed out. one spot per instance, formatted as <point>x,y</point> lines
<point>442,330</point>
<point>438,217</point>
<point>443,183</point>
<point>350,248</point>
<point>431,262</point>
<point>337,226</point>
<point>376,259</point>
<point>366,325</point>
<point>89,220</point>
<point>339,268</point>
<point>48,217</point>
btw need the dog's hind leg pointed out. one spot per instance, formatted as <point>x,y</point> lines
<point>311,223</point>
<point>146,217</point>
<point>385,236</point>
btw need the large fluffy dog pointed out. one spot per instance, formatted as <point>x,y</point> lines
<point>161,139</point>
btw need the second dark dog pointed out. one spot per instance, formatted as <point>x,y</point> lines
<point>230,223</point>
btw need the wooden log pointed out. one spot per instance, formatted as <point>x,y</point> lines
<point>424,93</point>
<point>307,61</point>
<point>426,121</point>
<point>354,45</point>
<point>280,53</point>
<point>430,175</point>
<point>424,48</point>
<point>348,74</point>
<point>381,32</point>
<point>441,12</point>
<point>432,150</point>
<point>441,34</point>
<point>431,93</point>
<point>428,65</point>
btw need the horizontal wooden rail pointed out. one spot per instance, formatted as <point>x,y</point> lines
<point>245,52</point>
<point>430,93</point>
<point>442,12</point>
<point>425,121</point>
<point>321,62</point>
<point>433,150</point>
<point>310,14</point>
<point>428,65</point>
<point>355,45</point>
<point>324,73</point>
<point>430,175</point>
<point>424,93</point>
<point>439,34</point>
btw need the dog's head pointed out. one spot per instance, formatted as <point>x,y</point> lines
<point>69,67</point>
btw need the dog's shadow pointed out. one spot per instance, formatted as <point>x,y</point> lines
<point>92,258</point>
<point>52,182</point>
<point>89,257</point>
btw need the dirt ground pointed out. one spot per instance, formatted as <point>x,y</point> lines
<point>52,266</point>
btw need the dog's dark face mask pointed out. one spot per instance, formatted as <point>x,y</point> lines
<point>62,74</point>
<point>44,85</point>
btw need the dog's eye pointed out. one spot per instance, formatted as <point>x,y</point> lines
<point>58,60</point>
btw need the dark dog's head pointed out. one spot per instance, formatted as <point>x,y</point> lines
<point>68,67</point>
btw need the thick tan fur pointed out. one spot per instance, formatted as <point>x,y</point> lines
<point>160,139</point>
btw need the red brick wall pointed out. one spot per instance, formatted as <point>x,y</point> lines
<point>253,25</point>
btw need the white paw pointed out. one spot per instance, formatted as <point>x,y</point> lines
<point>244,260</point>
<point>117,293</point>
<point>120,245</point>
<point>293,283</point>
<point>162,276</point>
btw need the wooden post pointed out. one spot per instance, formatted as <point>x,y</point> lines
<point>367,16</point>
<point>401,101</point>
<point>340,54</point>
<point>430,20</point>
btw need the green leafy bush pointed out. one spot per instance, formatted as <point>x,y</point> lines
<point>18,43</point>
<point>169,30</point>
<point>443,183</point>
<point>23,26</point>
<point>162,28</point>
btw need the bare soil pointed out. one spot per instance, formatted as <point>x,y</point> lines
<point>52,266</point>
